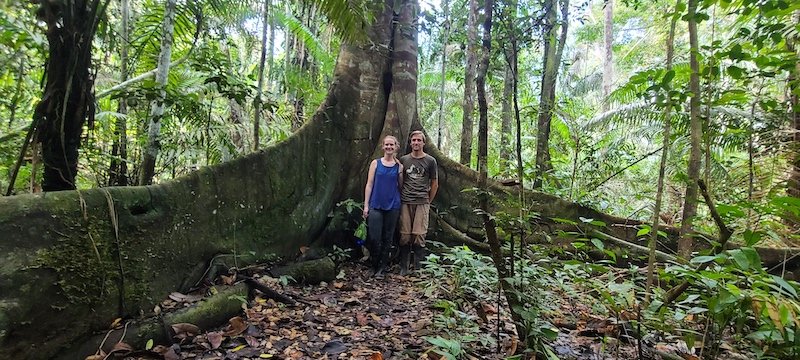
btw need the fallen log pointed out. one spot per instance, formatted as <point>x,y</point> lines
<point>209,313</point>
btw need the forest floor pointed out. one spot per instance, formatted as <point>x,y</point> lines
<point>358,316</point>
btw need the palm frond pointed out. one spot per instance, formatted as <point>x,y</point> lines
<point>313,44</point>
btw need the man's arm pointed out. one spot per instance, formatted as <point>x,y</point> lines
<point>434,189</point>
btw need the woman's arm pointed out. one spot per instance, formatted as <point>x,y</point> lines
<point>368,189</point>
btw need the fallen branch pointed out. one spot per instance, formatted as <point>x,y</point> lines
<point>132,81</point>
<point>620,171</point>
<point>268,292</point>
<point>660,255</point>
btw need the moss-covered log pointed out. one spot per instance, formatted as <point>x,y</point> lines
<point>208,313</point>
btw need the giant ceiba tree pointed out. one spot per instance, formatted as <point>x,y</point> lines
<point>75,260</point>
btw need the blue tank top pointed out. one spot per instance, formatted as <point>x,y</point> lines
<point>385,189</point>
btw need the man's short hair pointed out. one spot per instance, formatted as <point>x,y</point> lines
<point>417,132</point>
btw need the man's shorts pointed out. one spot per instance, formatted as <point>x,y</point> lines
<point>414,219</point>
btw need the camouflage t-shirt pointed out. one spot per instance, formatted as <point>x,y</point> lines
<point>417,177</point>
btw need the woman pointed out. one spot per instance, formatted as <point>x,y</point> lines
<point>382,203</point>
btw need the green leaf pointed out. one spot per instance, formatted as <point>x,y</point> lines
<point>790,290</point>
<point>149,344</point>
<point>643,231</point>
<point>665,81</point>
<point>598,243</point>
<point>734,71</point>
<point>702,259</point>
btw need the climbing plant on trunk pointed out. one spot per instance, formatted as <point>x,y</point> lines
<point>157,104</point>
<point>67,101</point>
<point>695,135</point>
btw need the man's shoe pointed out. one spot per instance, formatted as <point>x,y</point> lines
<point>418,256</point>
<point>404,255</point>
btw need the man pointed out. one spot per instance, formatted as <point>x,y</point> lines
<point>420,183</point>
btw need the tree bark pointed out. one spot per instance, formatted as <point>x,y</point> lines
<point>793,185</point>
<point>118,170</point>
<point>157,105</point>
<point>608,41</point>
<point>445,39</point>
<point>468,103</point>
<point>553,49</point>
<point>690,200</point>
<point>505,126</point>
<point>489,225</point>
<point>651,263</point>
<point>67,101</point>
<point>260,89</point>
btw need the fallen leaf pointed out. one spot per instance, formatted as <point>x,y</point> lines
<point>361,319</point>
<point>228,280</point>
<point>215,338</point>
<point>303,249</point>
<point>95,357</point>
<point>251,341</point>
<point>376,356</point>
<point>240,347</point>
<point>236,326</point>
<point>121,347</point>
<point>512,347</point>
<point>116,322</point>
<point>489,309</point>
<point>334,347</point>
<point>185,329</point>
<point>176,296</point>
<point>338,284</point>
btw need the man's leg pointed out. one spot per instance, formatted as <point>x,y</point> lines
<point>406,219</point>
<point>420,230</point>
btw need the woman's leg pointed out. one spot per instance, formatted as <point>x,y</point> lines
<point>389,225</point>
<point>375,232</point>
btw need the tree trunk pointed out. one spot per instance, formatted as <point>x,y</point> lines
<point>793,185</point>
<point>468,104</point>
<point>651,263</point>
<point>271,58</point>
<point>690,200</point>
<point>157,105</point>
<point>260,89</point>
<point>505,125</point>
<point>118,170</point>
<point>608,64</point>
<point>553,48</point>
<point>445,39</point>
<point>67,101</point>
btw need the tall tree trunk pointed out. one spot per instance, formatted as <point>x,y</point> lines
<point>608,64</point>
<point>499,260</point>
<point>793,185</point>
<point>67,102</point>
<point>505,125</point>
<point>271,58</point>
<point>157,105</point>
<point>468,104</point>
<point>651,263</point>
<point>690,200</point>
<point>445,40</point>
<point>261,65</point>
<point>553,48</point>
<point>401,110</point>
<point>118,170</point>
